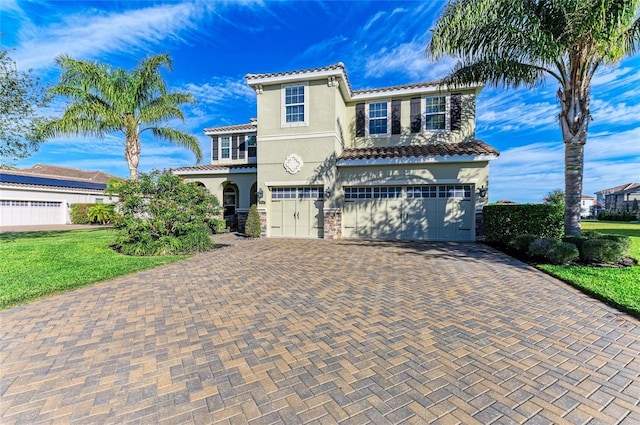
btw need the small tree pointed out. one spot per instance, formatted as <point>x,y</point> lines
<point>555,197</point>
<point>253,227</point>
<point>21,96</point>
<point>100,213</point>
<point>160,214</point>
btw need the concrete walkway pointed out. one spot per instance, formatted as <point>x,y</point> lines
<point>313,331</point>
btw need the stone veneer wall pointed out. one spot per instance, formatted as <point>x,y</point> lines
<point>263,221</point>
<point>332,223</point>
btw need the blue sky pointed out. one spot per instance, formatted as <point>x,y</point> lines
<point>214,44</point>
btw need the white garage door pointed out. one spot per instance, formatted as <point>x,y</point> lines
<point>425,212</point>
<point>27,213</point>
<point>297,212</point>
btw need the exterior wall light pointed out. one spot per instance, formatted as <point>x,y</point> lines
<point>327,193</point>
<point>260,193</point>
<point>482,191</point>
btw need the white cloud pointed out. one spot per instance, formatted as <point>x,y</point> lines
<point>407,58</point>
<point>605,112</point>
<point>373,20</point>
<point>94,33</point>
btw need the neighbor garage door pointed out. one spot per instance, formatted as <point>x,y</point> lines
<point>25,213</point>
<point>297,212</point>
<point>424,212</point>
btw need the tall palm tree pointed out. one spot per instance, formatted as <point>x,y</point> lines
<point>521,43</point>
<point>105,100</point>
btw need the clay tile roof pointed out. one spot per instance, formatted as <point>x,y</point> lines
<point>394,88</point>
<point>476,147</point>
<point>252,126</point>
<point>335,66</point>
<point>214,167</point>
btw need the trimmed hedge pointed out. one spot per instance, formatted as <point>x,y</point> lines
<point>80,213</point>
<point>502,223</point>
<point>619,216</point>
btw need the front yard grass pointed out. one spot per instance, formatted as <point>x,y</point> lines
<point>617,286</point>
<point>39,264</point>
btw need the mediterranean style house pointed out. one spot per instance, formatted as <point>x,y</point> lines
<point>323,160</point>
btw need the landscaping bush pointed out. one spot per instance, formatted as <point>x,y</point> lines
<point>160,214</point>
<point>563,253</point>
<point>217,225</point>
<point>553,251</point>
<point>601,251</point>
<point>502,223</point>
<point>521,243</point>
<point>80,213</point>
<point>253,227</point>
<point>618,216</point>
<point>101,213</point>
<point>577,240</point>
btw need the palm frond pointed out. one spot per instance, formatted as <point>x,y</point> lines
<point>179,138</point>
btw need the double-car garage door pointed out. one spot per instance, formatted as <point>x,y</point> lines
<point>416,212</point>
<point>20,213</point>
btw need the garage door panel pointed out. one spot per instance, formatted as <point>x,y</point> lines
<point>21,213</point>
<point>297,212</point>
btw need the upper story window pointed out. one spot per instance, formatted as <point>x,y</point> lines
<point>225,147</point>
<point>295,101</point>
<point>251,146</point>
<point>378,118</point>
<point>435,117</point>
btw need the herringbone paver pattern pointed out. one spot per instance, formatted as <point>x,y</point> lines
<point>323,332</point>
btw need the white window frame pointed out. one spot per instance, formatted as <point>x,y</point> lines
<point>447,114</point>
<point>305,105</point>
<point>221,149</point>
<point>366,124</point>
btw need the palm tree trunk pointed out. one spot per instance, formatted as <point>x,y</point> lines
<point>574,123</point>
<point>132,154</point>
<point>573,174</point>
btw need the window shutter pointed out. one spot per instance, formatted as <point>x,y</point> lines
<point>214,148</point>
<point>395,116</point>
<point>360,120</point>
<point>242,146</point>
<point>416,118</point>
<point>234,147</point>
<point>456,111</point>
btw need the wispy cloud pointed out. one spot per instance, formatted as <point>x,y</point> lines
<point>407,58</point>
<point>94,33</point>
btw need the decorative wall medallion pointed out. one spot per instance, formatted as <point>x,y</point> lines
<point>293,163</point>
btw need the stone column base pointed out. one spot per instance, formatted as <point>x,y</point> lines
<point>332,223</point>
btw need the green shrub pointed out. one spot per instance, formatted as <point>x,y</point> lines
<point>160,214</point>
<point>101,213</point>
<point>217,225</point>
<point>521,243</point>
<point>577,240</point>
<point>617,216</point>
<point>253,227</point>
<point>541,246</point>
<point>562,253</point>
<point>602,250</point>
<point>502,223</point>
<point>80,213</point>
<point>553,251</point>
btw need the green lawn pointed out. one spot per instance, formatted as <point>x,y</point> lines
<point>39,264</point>
<point>618,286</point>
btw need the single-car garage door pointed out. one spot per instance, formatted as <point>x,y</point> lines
<point>417,212</point>
<point>25,213</point>
<point>297,212</point>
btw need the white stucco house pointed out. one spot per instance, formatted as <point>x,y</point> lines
<point>42,194</point>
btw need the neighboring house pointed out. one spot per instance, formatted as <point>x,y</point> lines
<point>42,194</point>
<point>618,198</point>
<point>587,206</point>
<point>323,160</point>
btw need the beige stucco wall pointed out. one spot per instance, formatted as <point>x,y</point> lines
<point>466,133</point>
<point>215,184</point>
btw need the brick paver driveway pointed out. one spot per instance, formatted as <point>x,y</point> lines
<point>313,331</point>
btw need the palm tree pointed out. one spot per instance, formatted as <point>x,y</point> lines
<point>520,43</point>
<point>105,100</point>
